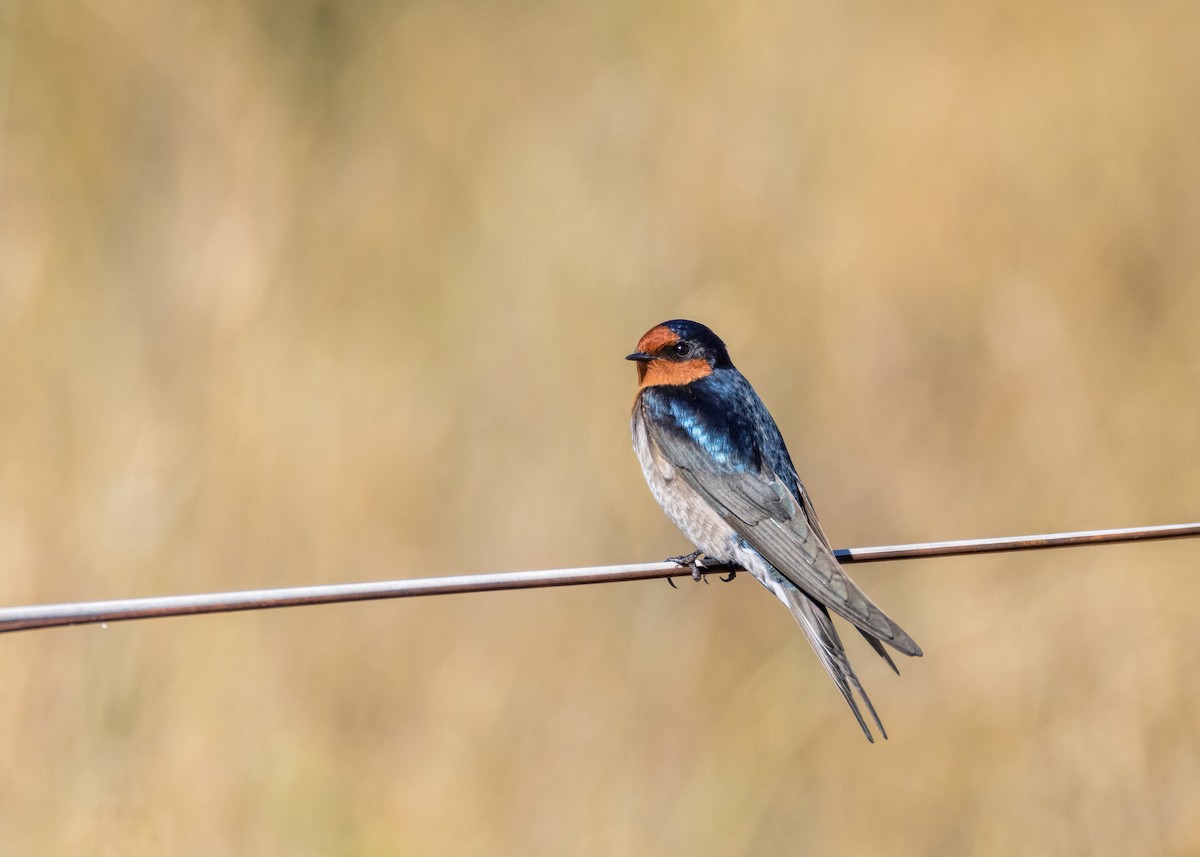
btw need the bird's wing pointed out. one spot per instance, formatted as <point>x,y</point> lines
<point>757,504</point>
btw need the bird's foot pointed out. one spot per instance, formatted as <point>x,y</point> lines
<point>688,560</point>
<point>729,577</point>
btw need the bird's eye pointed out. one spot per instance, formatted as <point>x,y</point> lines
<point>682,349</point>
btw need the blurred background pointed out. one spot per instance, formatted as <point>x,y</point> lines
<point>308,292</point>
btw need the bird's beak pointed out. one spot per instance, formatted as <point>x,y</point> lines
<point>643,363</point>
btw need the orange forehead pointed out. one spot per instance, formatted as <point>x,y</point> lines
<point>657,338</point>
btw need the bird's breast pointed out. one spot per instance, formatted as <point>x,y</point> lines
<point>686,509</point>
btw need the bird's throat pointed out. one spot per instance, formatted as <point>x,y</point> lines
<point>660,372</point>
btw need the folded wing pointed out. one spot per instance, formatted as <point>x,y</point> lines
<point>756,502</point>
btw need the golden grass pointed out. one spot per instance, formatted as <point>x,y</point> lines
<point>294,293</point>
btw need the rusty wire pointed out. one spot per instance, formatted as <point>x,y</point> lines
<point>98,612</point>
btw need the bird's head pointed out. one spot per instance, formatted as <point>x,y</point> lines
<point>678,352</point>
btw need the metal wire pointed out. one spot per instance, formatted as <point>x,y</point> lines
<point>93,612</point>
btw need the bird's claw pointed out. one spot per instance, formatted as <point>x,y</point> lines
<point>729,577</point>
<point>688,560</point>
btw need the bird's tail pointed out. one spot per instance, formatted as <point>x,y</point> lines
<point>817,625</point>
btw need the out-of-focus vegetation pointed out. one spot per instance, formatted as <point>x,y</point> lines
<point>305,292</point>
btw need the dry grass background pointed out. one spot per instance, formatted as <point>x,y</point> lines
<point>305,292</point>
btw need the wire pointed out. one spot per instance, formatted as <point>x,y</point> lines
<point>93,612</point>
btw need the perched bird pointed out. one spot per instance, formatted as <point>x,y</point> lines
<point>716,463</point>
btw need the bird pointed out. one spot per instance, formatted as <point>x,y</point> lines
<point>717,464</point>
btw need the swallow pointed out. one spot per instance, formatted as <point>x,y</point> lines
<point>715,461</point>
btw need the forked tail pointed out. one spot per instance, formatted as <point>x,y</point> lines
<point>814,620</point>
